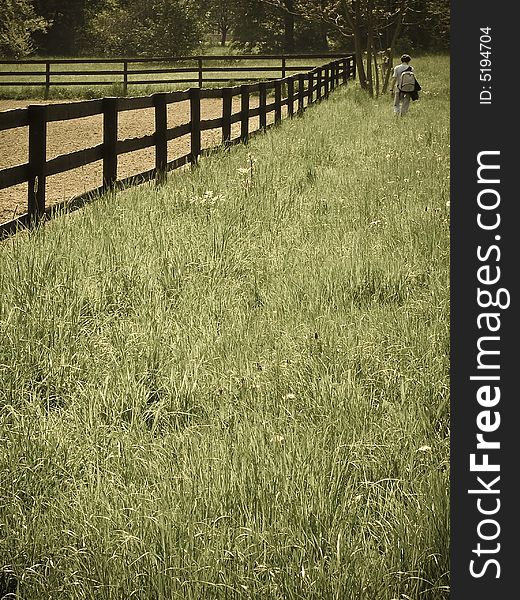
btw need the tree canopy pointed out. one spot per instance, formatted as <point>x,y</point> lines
<point>18,22</point>
<point>176,27</point>
<point>137,28</point>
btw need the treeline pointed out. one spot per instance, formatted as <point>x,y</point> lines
<point>180,27</point>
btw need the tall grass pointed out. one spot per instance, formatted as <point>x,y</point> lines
<point>236,385</point>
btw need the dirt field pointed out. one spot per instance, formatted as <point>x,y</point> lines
<point>77,134</point>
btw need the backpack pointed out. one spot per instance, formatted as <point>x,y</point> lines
<point>407,81</point>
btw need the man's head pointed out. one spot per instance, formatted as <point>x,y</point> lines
<point>406,58</point>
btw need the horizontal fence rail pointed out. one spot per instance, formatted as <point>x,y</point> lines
<point>125,72</point>
<point>290,91</point>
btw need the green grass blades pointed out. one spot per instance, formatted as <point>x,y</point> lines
<point>236,385</point>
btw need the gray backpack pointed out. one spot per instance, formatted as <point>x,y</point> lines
<point>407,81</point>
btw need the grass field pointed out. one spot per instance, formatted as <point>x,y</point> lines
<point>236,385</point>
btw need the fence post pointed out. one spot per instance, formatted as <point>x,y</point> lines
<point>345,73</point>
<point>109,141</point>
<point>199,63</point>
<point>227,103</point>
<point>262,102</point>
<point>161,140</point>
<point>195,125</point>
<point>311,86</point>
<point>353,67</point>
<point>327,81</point>
<point>318,84</point>
<point>284,64</point>
<point>125,77</point>
<point>290,96</point>
<point>37,162</point>
<point>300,92</point>
<point>277,101</point>
<point>47,79</point>
<point>244,113</point>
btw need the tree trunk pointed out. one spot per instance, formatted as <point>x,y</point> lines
<point>376,70</point>
<point>223,35</point>
<point>358,45</point>
<point>387,69</point>
<point>370,78</point>
<point>370,47</point>
<point>390,50</point>
<point>322,33</point>
<point>288,22</point>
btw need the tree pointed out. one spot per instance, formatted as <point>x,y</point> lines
<point>358,22</point>
<point>375,28</point>
<point>257,27</point>
<point>137,28</point>
<point>277,26</point>
<point>222,16</point>
<point>288,26</point>
<point>18,23</point>
<point>65,34</point>
<point>427,26</point>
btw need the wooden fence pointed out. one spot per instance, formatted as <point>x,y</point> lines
<point>291,91</point>
<point>152,71</point>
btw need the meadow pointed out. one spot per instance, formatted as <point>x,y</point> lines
<point>236,385</point>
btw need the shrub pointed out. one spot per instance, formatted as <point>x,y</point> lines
<point>18,22</point>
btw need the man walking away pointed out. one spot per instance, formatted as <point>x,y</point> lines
<point>401,98</point>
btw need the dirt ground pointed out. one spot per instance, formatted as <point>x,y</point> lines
<point>68,136</point>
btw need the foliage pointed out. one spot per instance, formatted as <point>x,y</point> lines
<point>174,27</point>
<point>65,34</point>
<point>277,27</point>
<point>221,16</point>
<point>375,27</point>
<point>427,22</point>
<point>428,25</point>
<point>18,21</point>
<point>155,28</point>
